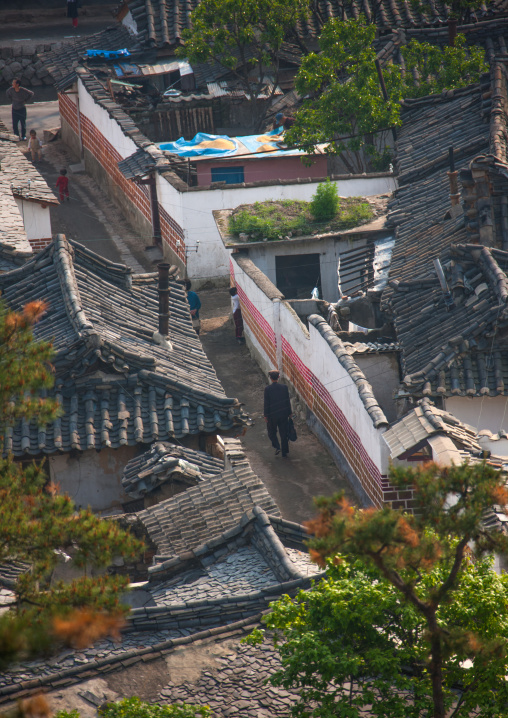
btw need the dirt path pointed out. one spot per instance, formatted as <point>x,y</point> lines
<point>310,470</point>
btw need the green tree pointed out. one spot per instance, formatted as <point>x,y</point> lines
<point>411,620</point>
<point>345,108</point>
<point>325,203</point>
<point>38,525</point>
<point>135,708</point>
<point>245,37</point>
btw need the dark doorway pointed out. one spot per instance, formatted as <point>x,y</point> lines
<point>297,275</point>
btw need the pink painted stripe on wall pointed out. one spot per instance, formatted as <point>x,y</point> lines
<point>327,398</point>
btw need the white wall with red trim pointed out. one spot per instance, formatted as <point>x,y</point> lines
<point>278,339</point>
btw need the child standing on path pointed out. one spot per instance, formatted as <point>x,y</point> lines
<point>63,185</point>
<point>35,146</point>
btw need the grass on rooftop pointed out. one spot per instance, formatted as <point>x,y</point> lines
<point>289,218</point>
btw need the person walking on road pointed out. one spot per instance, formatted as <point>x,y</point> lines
<point>19,96</point>
<point>277,410</point>
<point>72,11</point>
<point>194,306</point>
<point>237,315</point>
<point>62,185</point>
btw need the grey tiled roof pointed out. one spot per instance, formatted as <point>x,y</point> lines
<point>14,245</point>
<point>371,347</point>
<point>461,351</point>
<point>348,363</point>
<point>426,420</point>
<point>23,177</point>
<point>450,352</point>
<point>115,384</point>
<point>165,462</point>
<point>161,22</point>
<point>206,510</point>
<point>63,60</point>
<point>137,164</point>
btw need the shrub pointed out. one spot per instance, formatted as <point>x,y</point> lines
<point>135,708</point>
<point>356,215</point>
<point>325,203</point>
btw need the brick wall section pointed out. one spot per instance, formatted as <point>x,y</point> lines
<point>321,403</point>
<point>399,498</point>
<point>316,397</point>
<point>108,157</point>
<point>172,233</point>
<point>257,324</point>
<point>69,111</point>
<point>39,244</point>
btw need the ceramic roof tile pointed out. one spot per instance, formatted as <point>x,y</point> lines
<point>63,60</point>
<point>115,384</point>
<point>161,22</point>
<point>168,462</point>
<point>206,510</point>
<point>424,421</point>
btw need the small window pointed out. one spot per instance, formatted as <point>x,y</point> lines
<point>229,175</point>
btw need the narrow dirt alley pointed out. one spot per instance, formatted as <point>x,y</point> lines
<point>310,470</point>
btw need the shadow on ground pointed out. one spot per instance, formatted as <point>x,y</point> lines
<point>310,471</point>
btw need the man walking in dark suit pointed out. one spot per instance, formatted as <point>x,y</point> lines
<point>277,412</point>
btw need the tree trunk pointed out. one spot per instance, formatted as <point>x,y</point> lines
<point>452,32</point>
<point>436,669</point>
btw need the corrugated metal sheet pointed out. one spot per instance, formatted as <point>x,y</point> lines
<point>223,89</point>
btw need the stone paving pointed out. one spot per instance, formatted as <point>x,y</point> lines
<point>117,240</point>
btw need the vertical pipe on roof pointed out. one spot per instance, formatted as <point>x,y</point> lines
<point>164,292</point>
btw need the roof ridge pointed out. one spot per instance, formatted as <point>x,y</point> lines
<point>363,386</point>
<point>62,259</point>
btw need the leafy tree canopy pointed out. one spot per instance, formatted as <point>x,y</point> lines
<point>38,525</point>
<point>135,708</point>
<point>345,103</point>
<point>245,37</point>
<point>411,620</point>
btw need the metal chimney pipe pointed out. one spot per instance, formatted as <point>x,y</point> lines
<point>453,179</point>
<point>164,292</point>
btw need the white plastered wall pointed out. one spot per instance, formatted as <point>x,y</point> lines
<point>212,258</point>
<point>35,218</point>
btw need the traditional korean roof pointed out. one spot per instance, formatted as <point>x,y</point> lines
<point>64,59</point>
<point>208,509</point>
<point>24,179</point>
<point>458,350</point>
<point>424,421</point>
<point>160,23</point>
<point>115,384</point>
<point>381,347</point>
<point>168,462</point>
<point>19,180</point>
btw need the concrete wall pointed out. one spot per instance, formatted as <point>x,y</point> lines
<point>265,168</point>
<point>211,261</point>
<point>36,220</point>
<point>277,338</point>
<point>187,222</point>
<point>93,478</point>
<point>85,124</point>
<point>489,412</point>
<point>264,257</point>
<point>382,372</point>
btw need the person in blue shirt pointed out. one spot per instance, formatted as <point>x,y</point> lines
<point>194,306</point>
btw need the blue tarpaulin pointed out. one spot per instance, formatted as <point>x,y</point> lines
<point>202,145</point>
<point>108,54</point>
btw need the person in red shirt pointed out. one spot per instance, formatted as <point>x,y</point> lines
<point>63,185</point>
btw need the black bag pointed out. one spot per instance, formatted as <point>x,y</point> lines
<point>292,436</point>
